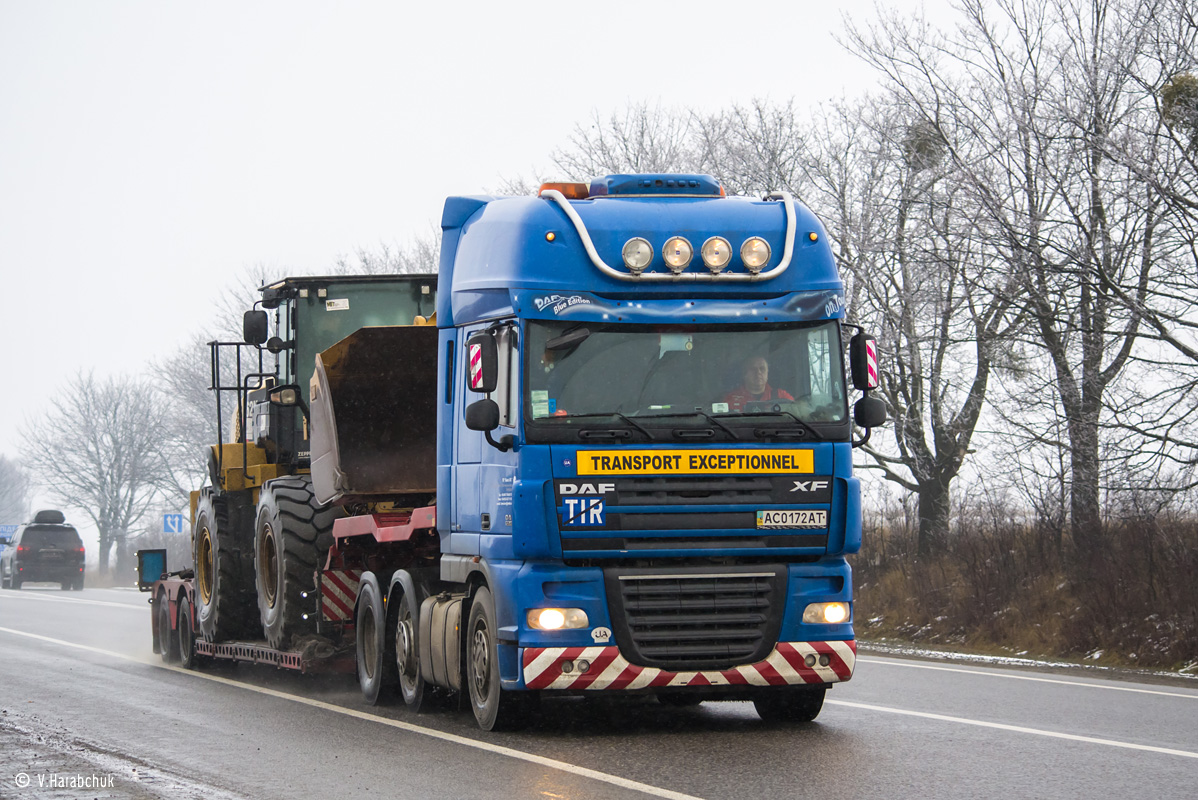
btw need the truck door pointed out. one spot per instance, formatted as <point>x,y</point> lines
<point>483,475</point>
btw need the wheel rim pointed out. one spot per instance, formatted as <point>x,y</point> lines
<point>480,660</point>
<point>370,650</point>
<point>405,648</point>
<point>204,566</point>
<point>268,564</point>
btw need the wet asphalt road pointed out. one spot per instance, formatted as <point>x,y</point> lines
<point>82,698</point>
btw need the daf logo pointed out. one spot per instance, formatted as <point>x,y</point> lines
<point>586,488</point>
<point>810,486</point>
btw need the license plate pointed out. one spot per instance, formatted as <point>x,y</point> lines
<point>51,554</point>
<point>803,518</point>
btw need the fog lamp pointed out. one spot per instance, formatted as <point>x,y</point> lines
<point>716,253</point>
<point>755,252</point>
<point>556,619</point>
<point>638,254</point>
<point>826,613</point>
<point>677,254</point>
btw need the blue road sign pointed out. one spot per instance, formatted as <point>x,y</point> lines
<point>6,532</point>
<point>172,523</point>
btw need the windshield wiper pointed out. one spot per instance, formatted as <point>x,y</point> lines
<point>810,430</point>
<point>629,420</point>
<point>698,412</point>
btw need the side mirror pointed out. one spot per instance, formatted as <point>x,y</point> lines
<point>482,357</point>
<point>482,415</point>
<point>869,412</point>
<point>254,327</point>
<point>863,362</point>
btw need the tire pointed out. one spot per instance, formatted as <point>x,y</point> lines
<point>287,555</point>
<point>404,611</point>
<point>168,647</point>
<point>495,709</point>
<point>5,581</point>
<point>66,585</point>
<point>795,705</point>
<point>675,700</point>
<point>78,585</point>
<point>224,603</point>
<point>15,582</point>
<point>375,653</point>
<point>186,639</point>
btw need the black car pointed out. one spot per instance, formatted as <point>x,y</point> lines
<point>46,549</point>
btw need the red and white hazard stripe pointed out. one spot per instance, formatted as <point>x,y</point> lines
<point>476,366</point>
<point>338,589</point>
<point>871,362</point>
<point>790,663</point>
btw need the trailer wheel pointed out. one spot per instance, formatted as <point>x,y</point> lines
<point>406,615</point>
<point>495,709</point>
<point>795,705</point>
<point>375,650</point>
<point>223,602</point>
<point>287,555</point>
<point>186,633</point>
<point>167,646</point>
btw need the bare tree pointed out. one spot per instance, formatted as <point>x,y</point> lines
<point>421,255</point>
<point>98,449</point>
<point>641,138</point>
<point>14,492</point>
<point>903,229</point>
<point>1039,89</point>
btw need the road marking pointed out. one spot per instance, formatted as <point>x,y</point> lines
<point>584,772</point>
<point>51,599</point>
<point>1014,728</point>
<point>900,663</point>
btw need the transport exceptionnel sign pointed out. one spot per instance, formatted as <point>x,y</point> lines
<point>695,462</point>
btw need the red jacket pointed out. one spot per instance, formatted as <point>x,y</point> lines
<point>737,398</point>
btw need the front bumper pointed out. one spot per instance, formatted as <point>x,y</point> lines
<point>787,665</point>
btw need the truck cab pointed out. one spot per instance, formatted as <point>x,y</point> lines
<point>644,512</point>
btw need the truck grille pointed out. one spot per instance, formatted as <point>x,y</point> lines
<point>706,619</point>
<point>669,491</point>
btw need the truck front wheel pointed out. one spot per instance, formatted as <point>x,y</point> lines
<point>801,704</point>
<point>494,708</point>
<point>286,556</point>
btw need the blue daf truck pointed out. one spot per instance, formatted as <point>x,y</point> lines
<point>617,458</point>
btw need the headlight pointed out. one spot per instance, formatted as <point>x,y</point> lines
<point>716,253</point>
<point>638,254</point>
<point>755,253</point>
<point>556,619</point>
<point>826,613</point>
<point>677,254</point>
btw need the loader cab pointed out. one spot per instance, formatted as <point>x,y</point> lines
<point>269,372</point>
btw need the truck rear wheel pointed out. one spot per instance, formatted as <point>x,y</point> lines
<point>287,555</point>
<point>495,709</point>
<point>186,633</point>
<point>406,614</point>
<point>375,649</point>
<point>224,605</point>
<point>801,704</point>
<point>167,646</point>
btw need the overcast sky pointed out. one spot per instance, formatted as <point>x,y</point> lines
<point>151,151</point>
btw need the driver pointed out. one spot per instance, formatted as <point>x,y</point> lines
<point>755,386</point>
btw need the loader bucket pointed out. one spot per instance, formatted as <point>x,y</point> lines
<point>374,415</point>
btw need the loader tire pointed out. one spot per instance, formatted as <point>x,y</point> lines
<point>224,583</point>
<point>289,546</point>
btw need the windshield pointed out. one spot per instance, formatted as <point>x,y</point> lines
<point>718,374</point>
